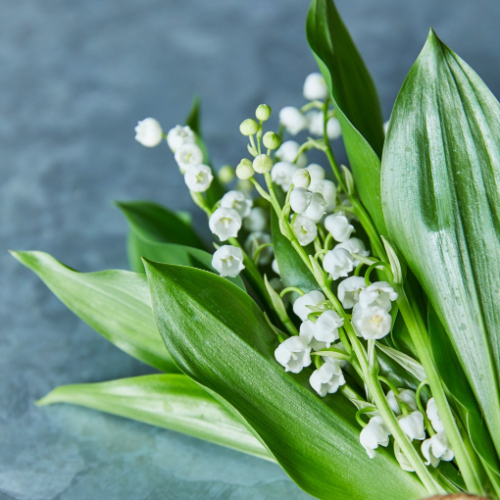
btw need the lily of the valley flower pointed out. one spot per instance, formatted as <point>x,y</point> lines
<point>436,448</point>
<point>328,190</point>
<point>433,416</point>
<point>327,379</point>
<point>379,294</point>
<point>148,132</point>
<point>305,229</point>
<point>300,306</point>
<point>349,289</point>
<point>187,155</point>
<point>178,136</point>
<point>237,200</point>
<point>316,208</point>
<point>293,120</point>
<point>307,333</point>
<point>315,125</point>
<point>413,425</point>
<point>317,173</point>
<point>407,396</point>
<point>198,178</point>
<point>257,220</point>
<point>301,178</point>
<point>282,174</point>
<point>326,328</point>
<point>338,263</point>
<point>354,246</point>
<point>300,199</point>
<point>338,226</point>
<point>293,354</point>
<point>315,87</point>
<point>375,434</point>
<point>288,151</point>
<point>225,223</point>
<point>371,323</point>
<point>228,260</point>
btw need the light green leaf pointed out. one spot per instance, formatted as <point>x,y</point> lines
<point>355,99</point>
<point>171,401</point>
<point>114,303</point>
<point>441,193</point>
<point>221,339</point>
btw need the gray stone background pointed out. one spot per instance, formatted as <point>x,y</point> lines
<point>75,76</point>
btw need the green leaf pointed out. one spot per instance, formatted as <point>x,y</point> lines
<point>355,99</point>
<point>173,402</point>
<point>441,185</point>
<point>114,303</point>
<point>169,253</point>
<point>221,339</point>
<point>216,191</point>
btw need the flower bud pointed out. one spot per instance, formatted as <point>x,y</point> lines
<point>148,132</point>
<point>271,140</point>
<point>300,199</point>
<point>244,170</point>
<point>315,87</point>
<point>226,174</point>
<point>301,178</point>
<point>263,164</point>
<point>249,127</point>
<point>263,112</point>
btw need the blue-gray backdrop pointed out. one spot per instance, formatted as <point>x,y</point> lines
<point>75,77</point>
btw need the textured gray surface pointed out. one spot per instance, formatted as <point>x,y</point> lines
<point>75,76</point>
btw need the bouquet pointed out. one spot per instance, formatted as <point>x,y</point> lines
<point>347,329</point>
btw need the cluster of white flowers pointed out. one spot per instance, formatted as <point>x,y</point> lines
<point>296,120</point>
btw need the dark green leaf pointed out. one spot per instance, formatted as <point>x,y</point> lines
<point>114,303</point>
<point>440,185</point>
<point>170,401</point>
<point>221,339</point>
<point>354,97</point>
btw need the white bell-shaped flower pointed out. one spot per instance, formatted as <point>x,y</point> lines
<point>371,323</point>
<point>338,263</point>
<point>237,200</point>
<point>328,190</point>
<point>198,178</point>
<point>315,87</point>
<point>316,208</point>
<point>433,416</point>
<point>375,434</point>
<point>187,155</point>
<point>327,379</point>
<point>301,178</point>
<point>413,425</point>
<point>437,448</point>
<point>349,289</point>
<point>225,223</point>
<point>282,174</point>
<point>338,226</point>
<point>254,241</point>
<point>354,246</point>
<point>407,396</point>
<point>300,199</point>
<point>307,333</point>
<point>317,173</point>
<point>228,261</point>
<point>257,220</point>
<point>326,328</point>
<point>293,120</point>
<point>315,123</point>
<point>305,229</point>
<point>333,129</point>
<point>288,151</point>
<point>148,132</point>
<point>301,305</point>
<point>294,354</point>
<point>178,136</point>
<point>379,294</point>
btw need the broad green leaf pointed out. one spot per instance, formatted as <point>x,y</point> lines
<point>114,303</point>
<point>171,401</point>
<point>441,193</point>
<point>153,222</point>
<point>221,339</point>
<point>216,191</point>
<point>355,99</point>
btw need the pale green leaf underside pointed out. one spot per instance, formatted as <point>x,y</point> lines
<point>170,401</point>
<point>219,337</point>
<point>440,187</point>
